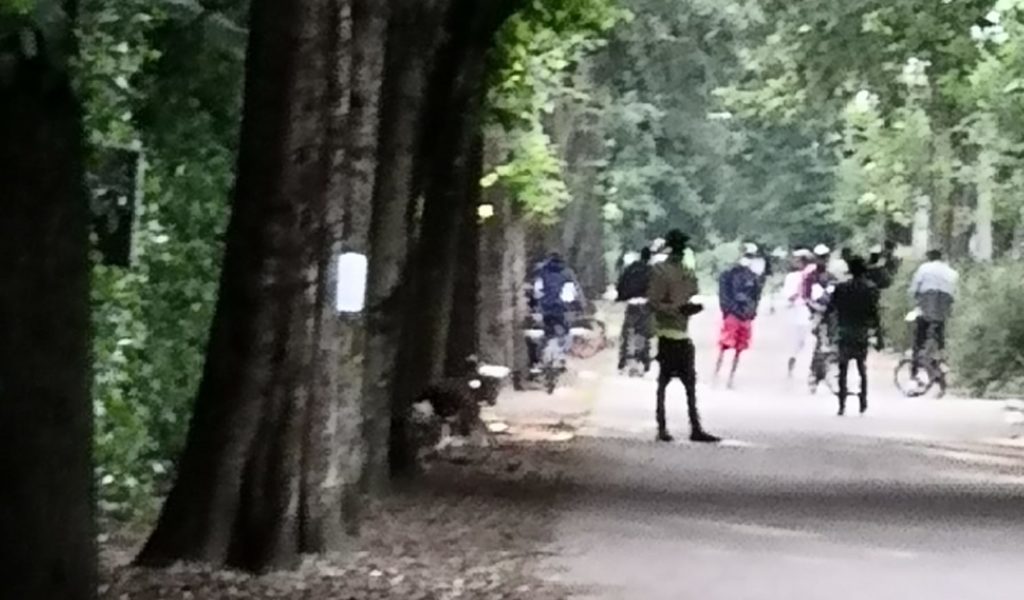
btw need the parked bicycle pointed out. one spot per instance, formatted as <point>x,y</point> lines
<point>919,373</point>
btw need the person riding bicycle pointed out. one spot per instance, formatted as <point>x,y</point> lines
<point>632,289</point>
<point>555,292</point>
<point>933,290</point>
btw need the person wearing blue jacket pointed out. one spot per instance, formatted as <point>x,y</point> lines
<point>739,294</point>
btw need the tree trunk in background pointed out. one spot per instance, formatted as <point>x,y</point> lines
<point>330,499</point>
<point>496,286</point>
<point>454,111</point>
<point>46,521</point>
<point>582,228</point>
<point>413,36</point>
<point>242,479</point>
<point>982,248</point>
<point>462,337</point>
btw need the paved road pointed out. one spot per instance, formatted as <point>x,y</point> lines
<point>917,499</point>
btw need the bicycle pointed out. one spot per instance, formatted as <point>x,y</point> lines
<point>553,357</point>
<point>918,373</point>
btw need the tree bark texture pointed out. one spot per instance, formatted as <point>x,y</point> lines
<point>336,415</point>
<point>414,34</point>
<point>46,520</point>
<point>449,160</point>
<point>462,337</point>
<point>252,491</point>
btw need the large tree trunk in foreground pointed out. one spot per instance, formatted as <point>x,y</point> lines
<point>336,414</point>
<point>243,493</point>
<point>47,550</point>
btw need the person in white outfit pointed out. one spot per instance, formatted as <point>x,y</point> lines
<point>933,290</point>
<point>797,315</point>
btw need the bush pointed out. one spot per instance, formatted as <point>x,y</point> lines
<point>986,335</point>
<point>895,305</point>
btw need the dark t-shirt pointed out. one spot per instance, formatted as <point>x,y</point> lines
<point>855,306</point>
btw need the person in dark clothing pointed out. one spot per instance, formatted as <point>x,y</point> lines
<point>879,270</point>
<point>854,304</point>
<point>632,289</point>
<point>739,293</point>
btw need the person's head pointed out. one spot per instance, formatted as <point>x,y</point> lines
<point>554,261</point>
<point>748,255</point>
<point>933,255</point>
<point>875,254</point>
<point>801,258</point>
<point>645,255</point>
<point>856,265</point>
<point>846,254</point>
<point>677,242</point>
<point>890,246</point>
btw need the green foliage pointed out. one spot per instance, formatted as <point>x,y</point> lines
<point>895,305</point>
<point>535,55</point>
<point>169,85</point>
<point>986,337</point>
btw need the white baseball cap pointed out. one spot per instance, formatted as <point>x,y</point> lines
<point>822,250</point>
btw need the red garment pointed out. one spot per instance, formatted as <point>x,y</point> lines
<point>735,334</point>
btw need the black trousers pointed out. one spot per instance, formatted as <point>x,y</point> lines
<point>676,359</point>
<point>924,329</point>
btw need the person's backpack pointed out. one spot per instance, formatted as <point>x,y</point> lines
<point>553,283</point>
<point>635,281</point>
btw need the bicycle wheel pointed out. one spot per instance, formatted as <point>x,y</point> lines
<point>550,378</point>
<point>910,384</point>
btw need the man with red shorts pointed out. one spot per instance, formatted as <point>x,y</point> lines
<point>739,293</point>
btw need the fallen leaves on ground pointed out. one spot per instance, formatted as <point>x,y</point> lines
<point>478,530</point>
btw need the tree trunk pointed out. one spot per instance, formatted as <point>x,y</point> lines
<point>983,213</point>
<point>413,36</point>
<point>331,494</point>
<point>449,162</point>
<point>496,329</point>
<point>462,338</point>
<point>46,523</point>
<point>242,482</point>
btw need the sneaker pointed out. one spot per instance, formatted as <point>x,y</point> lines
<point>664,436</point>
<point>704,437</point>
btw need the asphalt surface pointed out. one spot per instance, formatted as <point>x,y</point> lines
<point>918,498</point>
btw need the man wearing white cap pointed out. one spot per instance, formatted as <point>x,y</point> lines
<point>739,294</point>
<point>798,317</point>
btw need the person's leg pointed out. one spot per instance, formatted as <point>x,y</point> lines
<point>862,370</point>
<point>689,377</point>
<point>742,335</point>
<point>921,327</point>
<point>844,371</point>
<point>724,343</point>
<point>663,380</point>
<point>735,365</point>
<point>625,338</point>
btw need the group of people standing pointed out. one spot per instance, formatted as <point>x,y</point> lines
<point>833,300</point>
